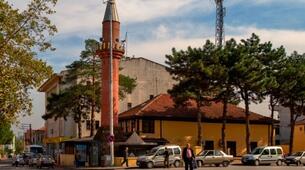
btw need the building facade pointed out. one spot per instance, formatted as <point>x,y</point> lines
<point>159,119</point>
<point>283,129</point>
<point>35,137</point>
<point>299,136</point>
<point>151,78</point>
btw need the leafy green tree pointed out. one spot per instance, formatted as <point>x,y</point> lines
<point>19,146</point>
<point>21,34</point>
<point>192,69</point>
<point>292,93</point>
<point>6,134</point>
<point>84,76</point>
<point>251,78</point>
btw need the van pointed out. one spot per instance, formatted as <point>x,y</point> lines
<point>155,157</point>
<point>264,155</point>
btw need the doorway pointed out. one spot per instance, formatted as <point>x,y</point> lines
<point>231,145</point>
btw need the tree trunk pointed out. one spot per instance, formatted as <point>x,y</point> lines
<point>92,120</point>
<point>224,122</point>
<point>199,128</point>
<point>79,124</point>
<point>292,123</point>
<point>247,123</point>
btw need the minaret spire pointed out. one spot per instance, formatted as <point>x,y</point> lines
<point>111,8</point>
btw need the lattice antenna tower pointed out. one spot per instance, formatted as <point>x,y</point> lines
<point>219,31</point>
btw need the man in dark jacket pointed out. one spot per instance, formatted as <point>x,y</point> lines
<point>125,157</point>
<point>188,157</point>
<point>166,158</point>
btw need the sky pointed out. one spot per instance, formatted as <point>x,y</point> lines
<point>155,26</point>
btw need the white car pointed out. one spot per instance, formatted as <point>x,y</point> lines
<point>18,160</point>
<point>264,155</point>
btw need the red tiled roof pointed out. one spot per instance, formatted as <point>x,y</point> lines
<point>163,107</point>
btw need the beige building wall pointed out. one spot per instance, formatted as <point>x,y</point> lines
<point>152,79</point>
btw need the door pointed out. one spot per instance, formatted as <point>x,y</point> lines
<point>231,145</point>
<point>274,155</point>
<point>218,157</point>
<point>265,157</point>
<point>209,157</point>
<point>159,158</point>
<point>253,145</point>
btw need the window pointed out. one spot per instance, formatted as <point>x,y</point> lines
<point>176,151</point>
<point>277,131</point>
<point>133,125</point>
<point>148,126</point>
<point>209,145</point>
<point>97,124</point>
<point>266,152</point>
<point>253,145</point>
<point>273,151</point>
<point>277,142</point>
<point>161,152</point>
<point>218,153</point>
<point>151,96</point>
<point>210,153</point>
<point>129,106</point>
<point>88,124</point>
<point>279,151</point>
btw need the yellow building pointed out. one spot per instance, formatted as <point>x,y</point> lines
<point>159,119</point>
<point>299,136</point>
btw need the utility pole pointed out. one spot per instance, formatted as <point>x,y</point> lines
<point>219,32</point>
<point>111,87</point>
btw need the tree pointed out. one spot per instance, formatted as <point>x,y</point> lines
<point>223,77</point>
<point>75,101</point>
<point>192,69</point>
<point>84,76</point>
<point>22,34</point>
<point>251,78</point>
<point>292,93</point>
<point>6,134</point>
<point>274,62</point>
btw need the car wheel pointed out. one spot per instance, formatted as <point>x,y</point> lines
<point>217,165</point>
<point>177,164</point>
<point>256,162</point>
<point>150,165</point>
<point>287,164</point>
<point>199,164</point>
<point>225,163</point>
<point>298,163</point>
<point>279,162</point>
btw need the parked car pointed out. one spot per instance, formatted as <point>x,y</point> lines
<point>155,157</point>
<point>33,161</point>
<point>213,157</point>
<point>264,155</point>
<point>45,161</point>
<point>297,158</point>
<point>18,160</point>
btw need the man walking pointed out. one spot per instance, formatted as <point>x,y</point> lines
<point>125,157</point>
<point>188,157</point>
<point>166,158</point>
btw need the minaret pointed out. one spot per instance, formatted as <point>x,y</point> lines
<point>111,15</point>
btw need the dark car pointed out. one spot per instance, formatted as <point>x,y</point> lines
<point>297,158</point>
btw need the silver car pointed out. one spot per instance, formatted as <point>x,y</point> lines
<point>155,157</point>
<point>264,155</point>
<point>213,157</point>
<point>297,158</point>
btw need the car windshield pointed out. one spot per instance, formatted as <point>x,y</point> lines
<point>152,151</point>
<point>298,154</point>
<point>257,151</point>
<point>202,153</point>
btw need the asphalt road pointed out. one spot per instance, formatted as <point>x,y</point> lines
<point>8,167</point>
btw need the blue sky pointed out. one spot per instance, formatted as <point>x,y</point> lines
<point>155,26</point>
